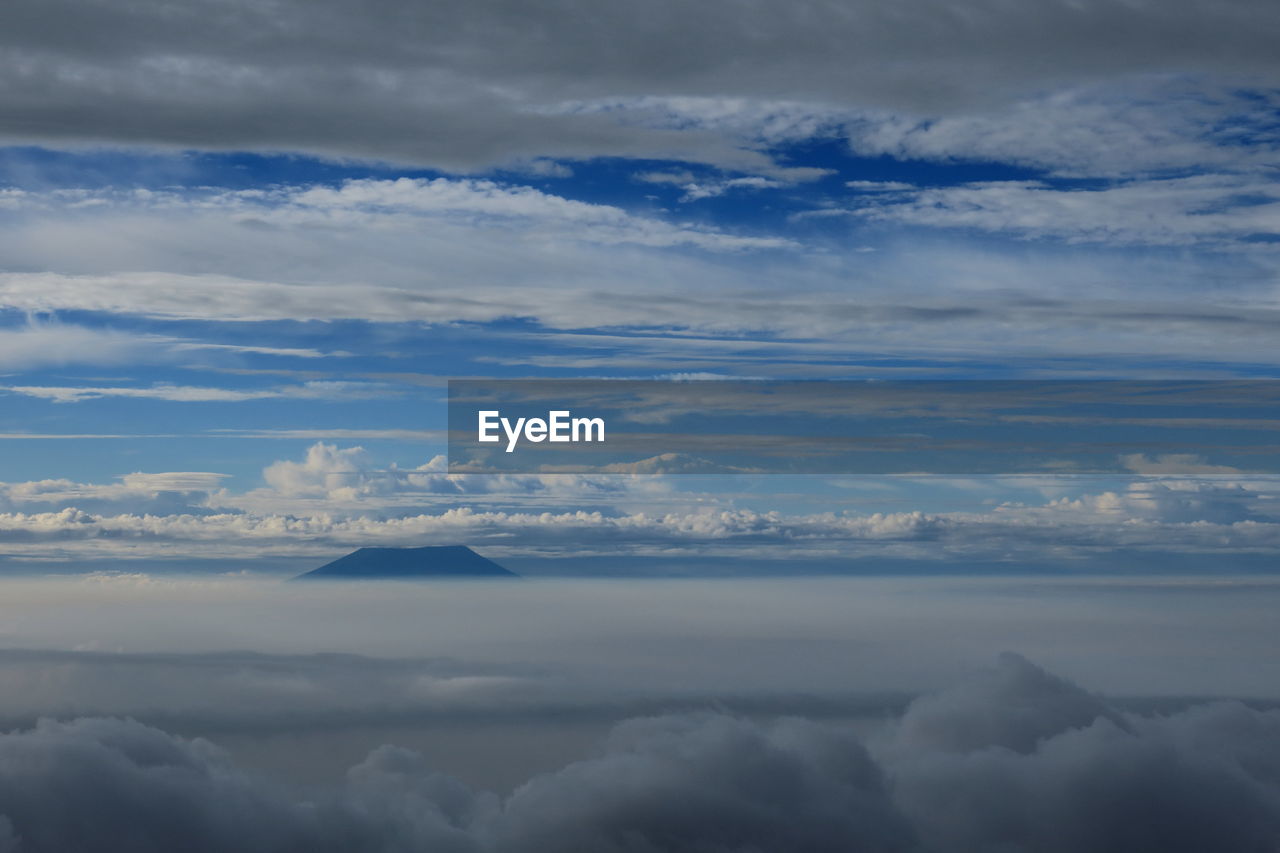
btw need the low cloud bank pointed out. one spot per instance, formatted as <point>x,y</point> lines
<point>337,498</point>
<point>1015,759</point>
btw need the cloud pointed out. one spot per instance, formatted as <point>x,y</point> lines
<point>314,77</point>
<point>341,497</point>
<point>1017,759</point>
<point>598,223</point>
<point>436,435</point>
<point>1014,707</point>
<point>164,493</point>
<point>711,782</point>
<point>695,189</point>
<point>475,251</point>
<point>1174,501</point>
<point>45,344</point>
<point>313,390</point>
<point>1174,465</point>
<point>1148,517</point>
<point>879,186</point>
<point>326,470</point>
<point>1123,129</point>
<point>126,781</point>
<point>291,352</point>
<point>250,691</point>
<point>373,203</point>
<point>348,474</point>
<point>235,534</point>
<point>328,482</point>
<point>1219,210</point>
<point>1033,762</point>
<point>677,178</point>
<point>541,167</point>
<point>671,463</point>
<point>674,784</point>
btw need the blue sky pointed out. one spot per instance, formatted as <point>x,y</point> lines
<point>236,273</point>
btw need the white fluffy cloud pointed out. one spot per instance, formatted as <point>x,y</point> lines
<point>338,497</point>
<point>164,493</point>
<point>329,484</point>
<point>1145,519</point>
<point>349,476</point>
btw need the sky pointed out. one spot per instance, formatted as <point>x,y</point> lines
<point>244,247</point>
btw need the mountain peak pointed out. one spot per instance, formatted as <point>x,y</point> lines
<point>429,561</point>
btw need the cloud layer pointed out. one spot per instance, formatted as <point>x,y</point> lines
<point>337,498</point>
<point>319,78</point>
<point>445,251</point>
<point>1015,759</point>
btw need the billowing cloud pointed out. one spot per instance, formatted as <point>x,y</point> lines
<point>351,507</point>
<point>1170,500</point>
<point>163,493</point>
<point>1033,762</point>
<point>349,475</point>
<point>336,497</point>
<point>1017,759</point>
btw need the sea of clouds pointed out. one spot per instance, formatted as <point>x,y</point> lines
<point>1014,759</point>
<point>756,716</point>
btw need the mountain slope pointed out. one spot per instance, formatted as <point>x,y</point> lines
<point>432,561</point>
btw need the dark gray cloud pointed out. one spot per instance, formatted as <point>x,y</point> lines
<point>1014,707</point>
<point>1015,760</point>
<point>1024,761</point>
<point>465,84</point>
<point>713,783</point>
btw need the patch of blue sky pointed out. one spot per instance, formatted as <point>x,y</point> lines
<point>238,439</point>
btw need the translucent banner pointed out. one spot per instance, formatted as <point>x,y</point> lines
<point>910,427</point>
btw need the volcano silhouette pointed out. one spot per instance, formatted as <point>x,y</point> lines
<point>431,561</point>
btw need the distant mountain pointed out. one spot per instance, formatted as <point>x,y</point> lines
<point>431,561</point>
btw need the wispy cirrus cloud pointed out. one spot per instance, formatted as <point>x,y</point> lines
<point>1220,211</point>
<point>314,390</point>
<point>139,261</point>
